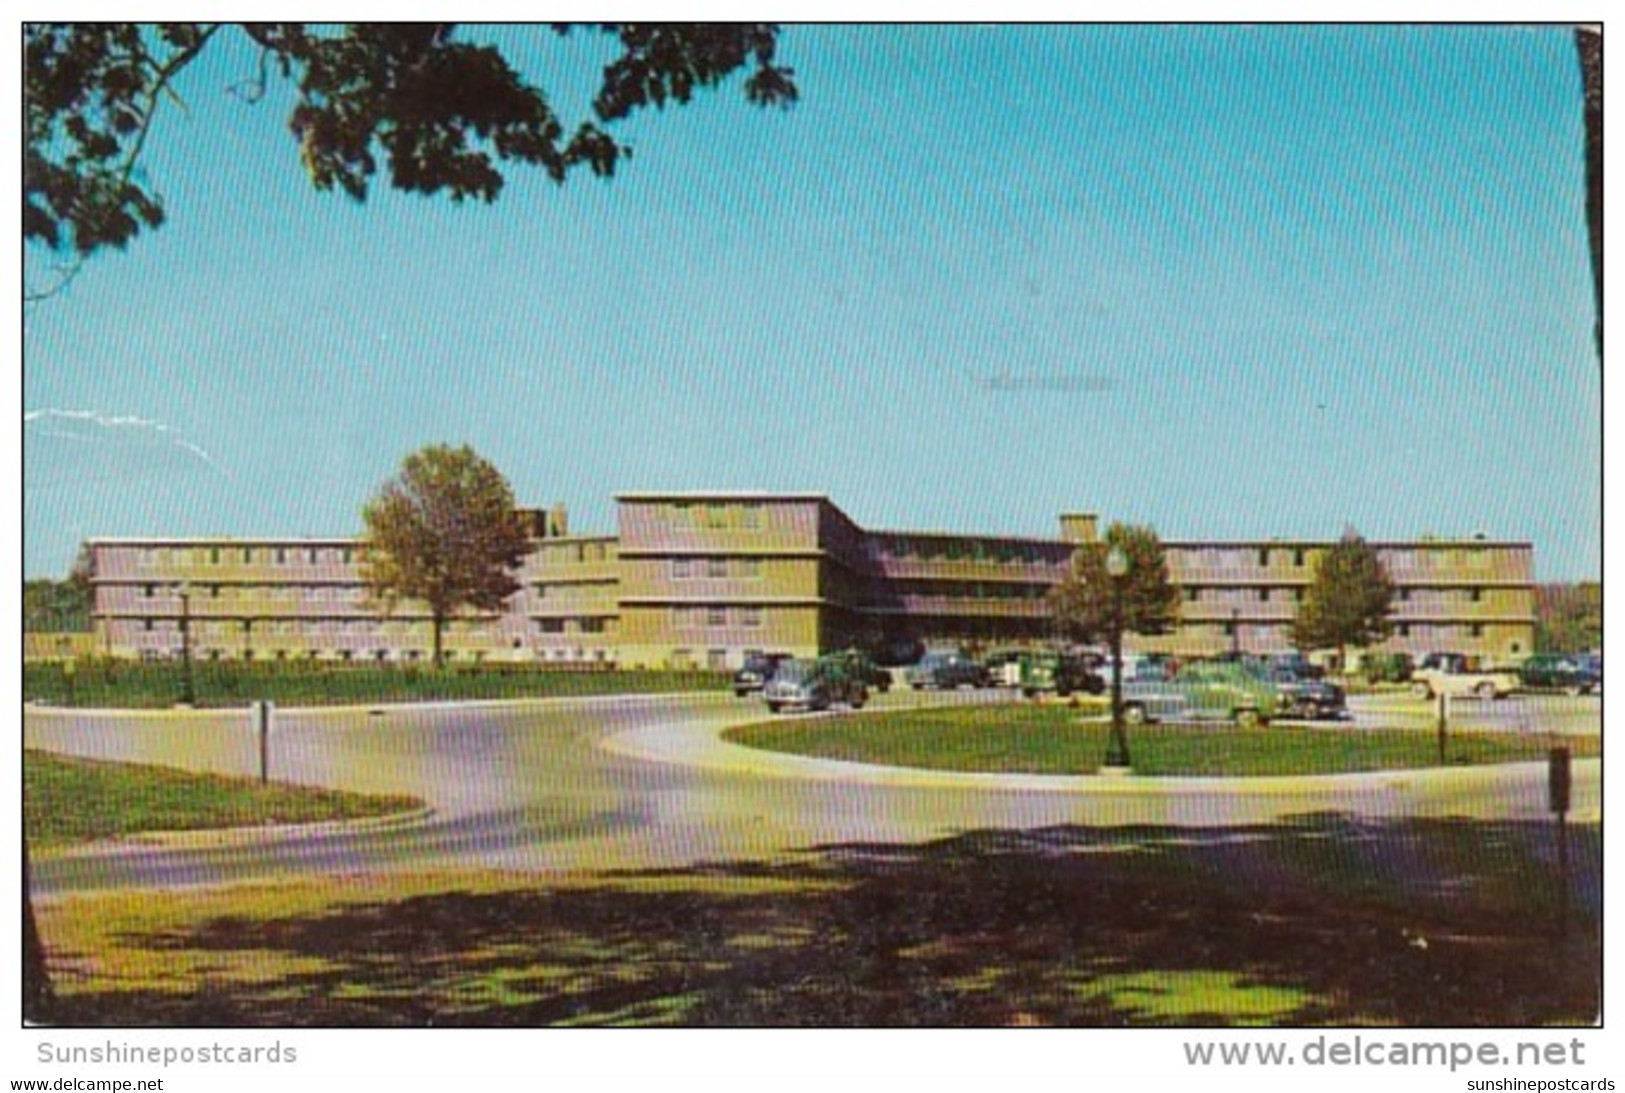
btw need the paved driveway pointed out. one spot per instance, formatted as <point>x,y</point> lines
<point>631,782</point>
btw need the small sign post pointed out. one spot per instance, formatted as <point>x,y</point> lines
<point>1559,786</point>
<point>262,722</point>
<point>1444,725</point>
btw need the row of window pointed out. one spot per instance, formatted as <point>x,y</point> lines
<point>716,616</point>
<point>714,516</point>
<point>164,556</point>
<point>947,548</point>
<point>1403,559</point>
<point>381,655</point>
<point>560,554</point>
<point>283,593</point>
<point>712,568</point>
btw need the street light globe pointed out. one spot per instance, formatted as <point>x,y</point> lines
<point>1116,563</point>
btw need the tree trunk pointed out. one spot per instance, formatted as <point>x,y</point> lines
<point>37,994</point>
<point>439,655</point>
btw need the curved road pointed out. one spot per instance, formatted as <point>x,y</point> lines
<point>644,782</point>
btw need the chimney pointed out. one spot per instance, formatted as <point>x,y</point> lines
<point>558,522</point>
<point>1079,527</point>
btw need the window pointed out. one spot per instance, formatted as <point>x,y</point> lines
<point>1297,595</point>
<point>716,659</point>
<point>1403,630</point>
<point>1476,595</point>
<point>682,515</point>
<point>750,568</point>
<point>347,556</point>
<point>248,555</point>
<point>146,591</point>
<point>1263,595</point>
<point>1264,558</point>
<point>1476,631</point>
<point>1297,558</point>
<point>716,616</point>
<point>682,569</point>
<point>214,556</point>
<point>592,626</point>
<point>146,624</point>
<point>281,556</point>
<point>750,516</point>
<point>716,567</point>
<point>1192,595</point>
<point>310,555</point>
<point>750,617</point>
<point>550,626</point>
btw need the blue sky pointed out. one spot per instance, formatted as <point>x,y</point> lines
<point>1229,282</point>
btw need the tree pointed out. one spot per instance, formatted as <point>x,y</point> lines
<point>445,532</point>
<point>1588,40</point>
<point>440,112</point>
<point>1082,605</point>
<point>1348,602</point>
<point>1568,617</point>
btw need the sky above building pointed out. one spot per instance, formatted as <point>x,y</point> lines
<point>1228,282</point>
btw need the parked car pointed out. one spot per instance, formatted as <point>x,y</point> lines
<point>1308,699</point>
<point>1387,667</point>
<point>813,685</point>
<point>1204,690</point>
<point>1004,667</point>
<point>1571,674</point>
<point>1060,674</point>
<point>1459,676</point>
<point>756,671</point>
<point>945,671</point>
<point>863,666</point>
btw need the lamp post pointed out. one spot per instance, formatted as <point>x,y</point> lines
<point>1117,569</point>
<point>188,694</point>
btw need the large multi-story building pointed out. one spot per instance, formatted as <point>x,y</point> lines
<point>701,579</point>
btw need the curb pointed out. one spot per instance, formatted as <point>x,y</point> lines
<point>226,837</point>
<point>702,747</point>
<point>32,709</point>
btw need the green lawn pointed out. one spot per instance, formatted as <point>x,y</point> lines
<point>1058,740</point>
<point>110,684</point>
<point>68,801</point>
<point>1319,921</point>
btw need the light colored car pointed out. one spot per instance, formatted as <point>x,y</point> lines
<point>1459,676</point>
<point>1204,691</point>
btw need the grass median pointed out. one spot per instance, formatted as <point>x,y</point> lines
<point>114,684</point>
<point>68,801</point>
<point>1031,739</point>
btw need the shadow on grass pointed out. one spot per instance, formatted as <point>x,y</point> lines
<point>1322,920</point>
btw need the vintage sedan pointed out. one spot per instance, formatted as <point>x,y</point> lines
<point>1201,691</point>
<point>813,685</point>
<point>1570,674</point>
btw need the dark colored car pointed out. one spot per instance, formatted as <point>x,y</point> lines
<point>1295,663</point>
<point>1571,674</point>
<point>1308,699</point>
<point>1059,673</point>
<point>946,671</point>
<point>813,685</point>
<point>757,670</point>
<point>1388,667</point>
<point>863,666</point>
